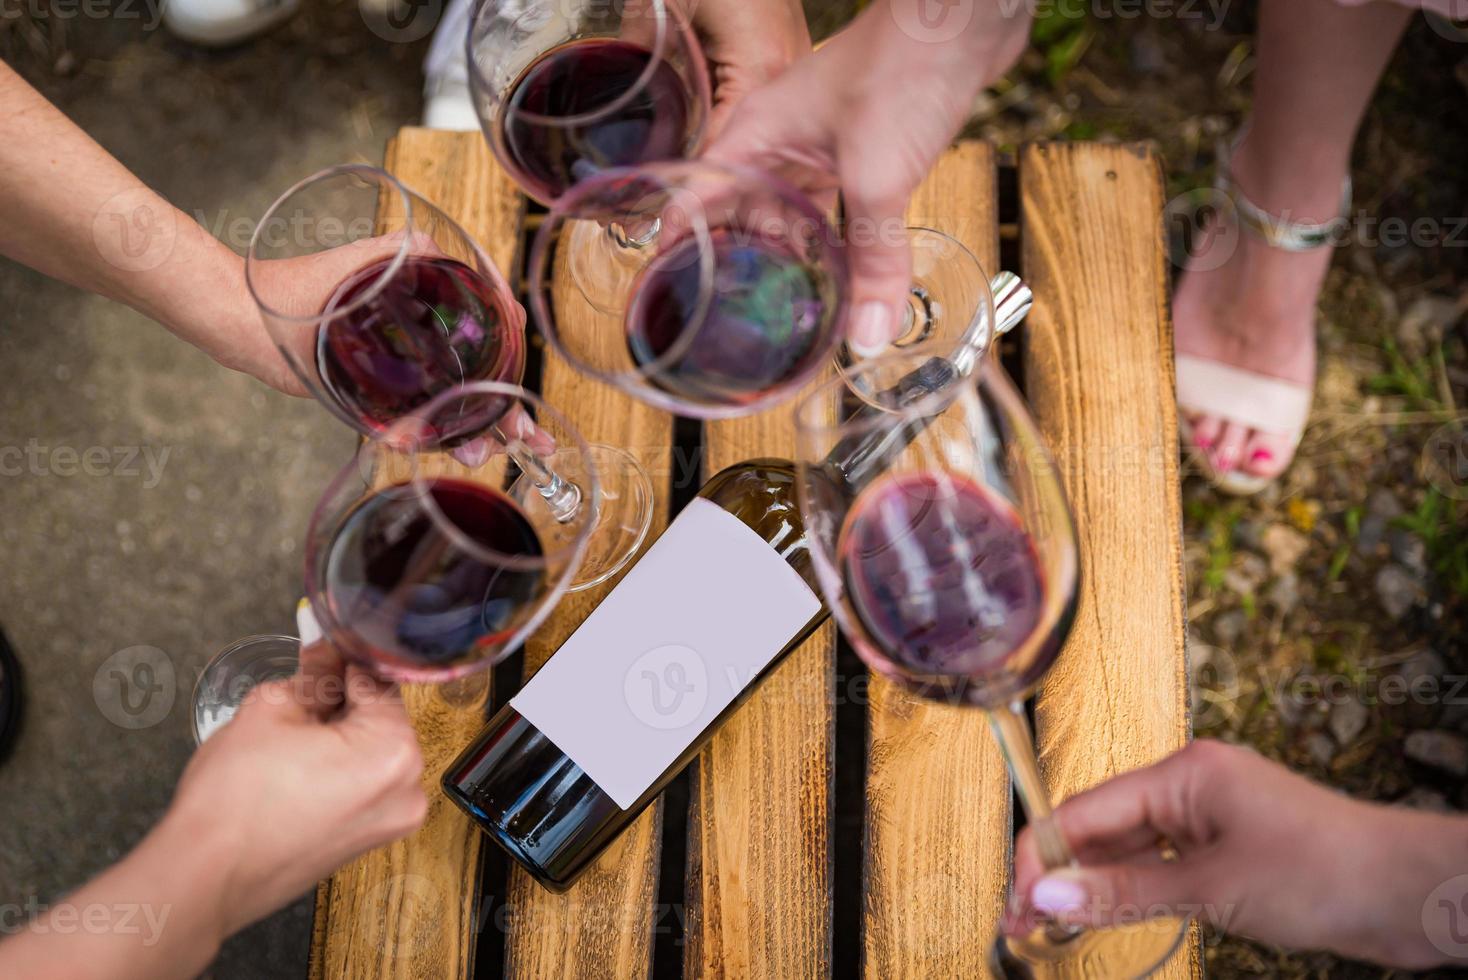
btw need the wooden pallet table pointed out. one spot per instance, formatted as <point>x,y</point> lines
<point>756,894</point>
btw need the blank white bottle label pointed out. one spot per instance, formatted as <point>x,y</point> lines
<point>689,627</point>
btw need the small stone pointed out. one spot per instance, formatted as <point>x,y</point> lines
<point>1147,54</point>
<point>1299,704</point>
<point>1421,667</point>
<point>1370,535</point>
<point>1249,534</point>
<point>1447,751</point>
<point>1391,310</point>
<point>1382,506</point>
<point>1408,550</point>
<point>1247,573</point>
<point>1422,798</point>
<point>1348,720</point>
<point>1284,546</point>
<point>1398,590</point>
<point>1284,594</point>
<point>1229,626</point>
<point>1425,323</point>
<point>1320,747</point>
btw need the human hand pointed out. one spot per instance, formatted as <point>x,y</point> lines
<point>1261,852</point>
<point>868,114</point>
<point>280,798</point>
<point>747,43</point>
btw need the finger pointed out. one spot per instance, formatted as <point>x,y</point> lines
<point>370,699</point>
<point>474,453</point>
<point>517,424</point>
<point>1137,845</point>
<point>1116,894</point>
<point>1132,811</point>
<point>319,679</point>
<point>277,699</point>
<point>881,268</point>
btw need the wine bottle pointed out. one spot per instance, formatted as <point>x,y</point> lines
<point>684,639</point>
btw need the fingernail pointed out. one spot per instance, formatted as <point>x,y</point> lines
<point>306,625</point>
<point>871,330</point>
<point>1058,896</point>
<point>472,453</point>
<point>1223,462</point>
<point>1202,443</point>
<point>1261,456</point>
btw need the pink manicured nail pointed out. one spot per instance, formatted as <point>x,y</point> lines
<point>1261,455</point>
<point>1223,462</point>
<point>871,329</point>
<point>1202,443</point>
<point>1058,896</point>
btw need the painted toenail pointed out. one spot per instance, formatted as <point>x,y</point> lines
<point>1261,456</point>
<point>1203,443</point>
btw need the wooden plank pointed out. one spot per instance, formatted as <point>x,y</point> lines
<point>602,926</point>
<point>1099,373</point>
<point>937,802</point>
<point>760,801</point>
<point>408,910</point>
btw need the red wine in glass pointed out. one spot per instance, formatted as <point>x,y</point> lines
<point>944,579</point>
<point>763,321</point>
<point>434,323</point>
<point>406,588</point>
<point>583,78</point>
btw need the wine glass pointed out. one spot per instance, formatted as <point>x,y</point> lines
<point>739,302</point>
<point>427,566</point>
<point>380,302</point>
<point>566,89</point>
<point>745,295</point>
<point>232,673</point>
<point>945,547</point>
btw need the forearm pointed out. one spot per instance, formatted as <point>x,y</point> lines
<point>75,213</point>
<point>156,915</point>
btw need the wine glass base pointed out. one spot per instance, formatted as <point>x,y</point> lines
<point>622,519</point>
<point>1123,951</point>
<point>603,267</point>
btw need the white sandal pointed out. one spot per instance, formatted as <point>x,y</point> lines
<point>1259,401</point>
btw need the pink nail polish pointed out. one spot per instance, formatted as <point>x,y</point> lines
<point>1261,456</point>
<point>1058,896</point>
<point>1202,443</point>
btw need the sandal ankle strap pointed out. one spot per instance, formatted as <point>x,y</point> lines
<point>1278,232</point>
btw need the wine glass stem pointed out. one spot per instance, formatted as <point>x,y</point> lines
<point>1012,730</point>
<point>562,497</point>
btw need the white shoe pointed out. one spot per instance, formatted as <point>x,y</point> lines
<point>217,23</point>
<point>446,101</point>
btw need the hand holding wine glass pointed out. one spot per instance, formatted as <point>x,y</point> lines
<point>1261,852</point>
<point>274,802</point>
<point>381,302</point>
<point>344,785</point>
<point>946,550</point>
<point>868,114</point>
